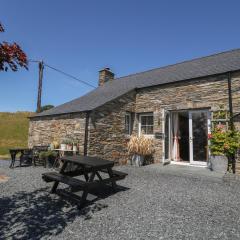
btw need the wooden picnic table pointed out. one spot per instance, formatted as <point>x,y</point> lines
<point>13,152</point>
<point>89,167</point>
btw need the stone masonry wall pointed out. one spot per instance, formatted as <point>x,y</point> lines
<point>42,131</point>
<point>209,92</point>
<point>107,136</point>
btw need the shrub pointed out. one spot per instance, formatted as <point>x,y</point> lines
<point>224,142</point>
<point>48,155</point>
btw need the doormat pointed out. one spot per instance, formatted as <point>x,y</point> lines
<point>3,178</point>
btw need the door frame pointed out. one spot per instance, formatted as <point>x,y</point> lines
<point>191,160</point>
<point>164,119</point>
<point>164,113</point>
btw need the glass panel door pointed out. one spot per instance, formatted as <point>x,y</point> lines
<point>198,136</point>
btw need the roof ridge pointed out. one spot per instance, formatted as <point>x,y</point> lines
<point>174,64</point>
<point>190,69</point>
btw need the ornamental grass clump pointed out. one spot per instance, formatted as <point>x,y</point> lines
<point>140,145</point>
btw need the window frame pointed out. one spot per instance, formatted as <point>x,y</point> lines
<point>129,124</point>
<point>140,123</point>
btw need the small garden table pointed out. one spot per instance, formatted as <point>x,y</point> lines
<point>89,167</point>
<point>13,152</point>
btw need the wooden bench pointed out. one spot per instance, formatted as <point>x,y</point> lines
<point>73,182</point>
<point>116,174</point>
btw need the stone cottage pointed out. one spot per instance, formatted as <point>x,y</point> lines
<point>174,105</point>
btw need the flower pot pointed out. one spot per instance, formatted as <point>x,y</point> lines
<point>69,147</point>
<point>74,148</point>
<point>219,163</point>
<point>63,146</point>
<point>137,160</point>
<point>50,161</point>
<point>51,146</point>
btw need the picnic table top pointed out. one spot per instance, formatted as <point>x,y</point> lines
<point>88,161</point>
<point>19,149</point>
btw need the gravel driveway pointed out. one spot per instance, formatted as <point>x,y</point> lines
<point>156,202</point>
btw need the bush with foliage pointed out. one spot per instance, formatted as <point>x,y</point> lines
<point>11,55</point>
<point>224,142</point>
<point>48,155</point>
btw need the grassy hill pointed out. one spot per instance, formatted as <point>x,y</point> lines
<point>13,131</point>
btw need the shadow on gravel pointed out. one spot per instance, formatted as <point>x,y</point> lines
<point>40,215</point>
<point>34,215</point>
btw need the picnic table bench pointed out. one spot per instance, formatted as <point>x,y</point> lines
<point>89,167</point>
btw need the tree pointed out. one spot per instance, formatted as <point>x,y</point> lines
<point>46,107</point>
<point>11,55</point>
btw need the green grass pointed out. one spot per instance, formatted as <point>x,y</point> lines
<point>13,131</point>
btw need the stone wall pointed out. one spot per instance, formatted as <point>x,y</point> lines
<point>209,92</point>
<point>42,131</point>
<point>107,137</point>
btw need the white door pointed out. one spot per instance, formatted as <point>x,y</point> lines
<point>199,128</point>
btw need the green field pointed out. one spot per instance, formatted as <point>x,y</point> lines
<point>13,131</point>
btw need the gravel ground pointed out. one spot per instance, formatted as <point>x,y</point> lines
<point>157,202</point>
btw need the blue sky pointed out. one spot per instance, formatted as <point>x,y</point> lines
<point>81,37</point>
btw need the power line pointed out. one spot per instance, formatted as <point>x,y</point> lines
<point>69,75</point>
<point>35,61</point>
<point>64,73</point>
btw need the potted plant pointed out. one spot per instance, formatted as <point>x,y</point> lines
<point>223,145</point>
<point>48,157</point>
<point>69,144</point>
<point>55,144</point>
<point>75,144</point>
<point>139,148</point>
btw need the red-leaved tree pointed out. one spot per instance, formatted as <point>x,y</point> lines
<point>11,55</point>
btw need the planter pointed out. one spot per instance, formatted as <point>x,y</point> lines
<point>219,163</point>
<point>75,148</point>
<point>51,146</point>
<point>137,160</point>
<point>50,161</point>
<point>69,147</point>
<point>63,146</point>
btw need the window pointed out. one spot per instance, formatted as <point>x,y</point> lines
<point>146,124</point>
<point>128,123</point>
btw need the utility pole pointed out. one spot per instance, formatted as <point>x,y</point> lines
<point>41,66</point>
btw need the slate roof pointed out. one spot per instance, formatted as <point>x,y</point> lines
<point>200,67</point>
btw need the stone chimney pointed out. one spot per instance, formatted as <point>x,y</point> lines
<point>105,75</point>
